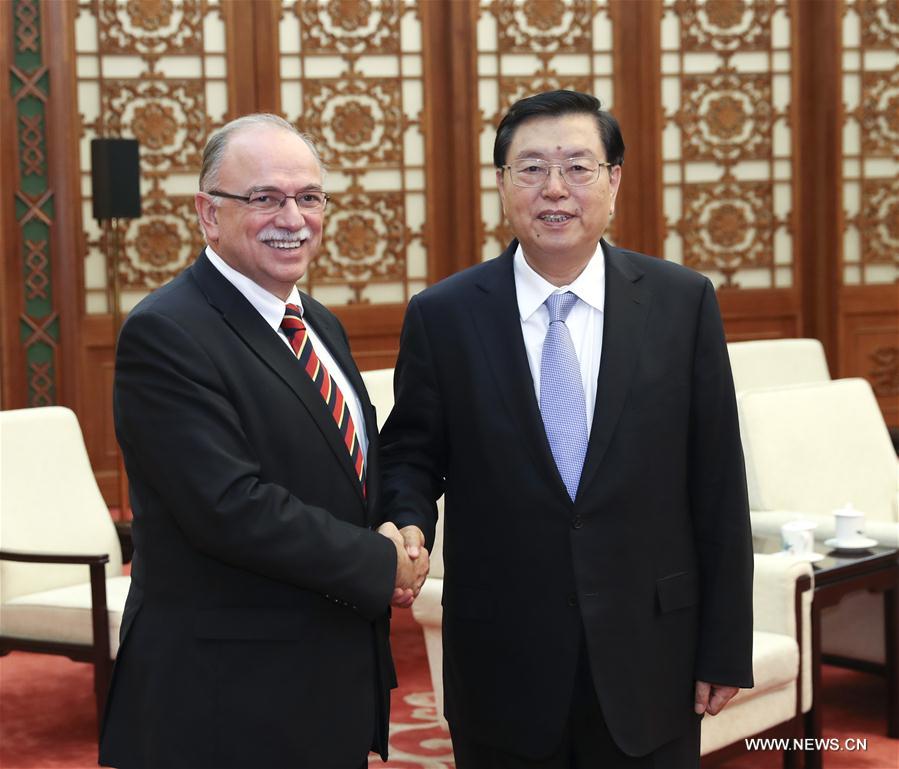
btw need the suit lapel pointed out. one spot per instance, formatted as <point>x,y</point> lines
<point>627,304</point>
<point>258,336</point>
<point>498,322</point>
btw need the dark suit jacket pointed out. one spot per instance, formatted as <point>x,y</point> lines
<point>652,561</point>
<point>256,630</point>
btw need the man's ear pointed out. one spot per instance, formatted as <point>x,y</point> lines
<point>207,212</point>
<point>501,188</point>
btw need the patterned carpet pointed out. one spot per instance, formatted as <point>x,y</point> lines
<point>47,715</point>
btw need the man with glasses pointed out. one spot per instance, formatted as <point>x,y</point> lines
<point>256,630</point>
<point>574,402</point>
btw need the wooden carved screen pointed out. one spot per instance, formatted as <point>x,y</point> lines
<point>351,75</point>
<point>869,275</point>
<point>726,72</point>
<point>762,150</point>
<point>155,73</point>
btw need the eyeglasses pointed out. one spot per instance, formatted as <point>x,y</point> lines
<point>270,201</point>
<point>576,172</point>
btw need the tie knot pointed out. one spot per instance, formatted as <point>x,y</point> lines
<point>559,305</point>
<point>292,321</point>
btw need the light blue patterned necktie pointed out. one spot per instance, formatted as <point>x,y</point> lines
<point>562,402</point>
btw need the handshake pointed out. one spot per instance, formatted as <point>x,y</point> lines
<point>412,562</point>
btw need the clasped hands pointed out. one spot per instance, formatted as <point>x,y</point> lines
<point>412,562</point>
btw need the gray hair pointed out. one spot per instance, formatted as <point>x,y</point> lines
<point>214,152</point>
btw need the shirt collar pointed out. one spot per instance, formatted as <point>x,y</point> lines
<point>533,289</point>
<point>269,306</point>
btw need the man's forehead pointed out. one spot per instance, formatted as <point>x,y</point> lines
<point>552,135</point>
<point>267,148</point>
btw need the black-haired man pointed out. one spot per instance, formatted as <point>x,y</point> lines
<point>575,403</point>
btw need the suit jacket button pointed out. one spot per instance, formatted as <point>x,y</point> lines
<point>578,522</point>
<point>572,600</point>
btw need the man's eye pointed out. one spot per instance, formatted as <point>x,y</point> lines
<point>532,169</point>
<point>261,199</point>
<point>311,197</point>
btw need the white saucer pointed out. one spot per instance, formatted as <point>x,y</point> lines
<point>810,557</point>
<point>859,543</point>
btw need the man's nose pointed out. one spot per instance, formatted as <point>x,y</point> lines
<point>555,185</point>
<point>290,214</point>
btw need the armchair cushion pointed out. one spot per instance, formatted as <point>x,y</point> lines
<point>63,615</point>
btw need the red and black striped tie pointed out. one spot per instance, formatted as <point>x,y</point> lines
<point>295,330</point>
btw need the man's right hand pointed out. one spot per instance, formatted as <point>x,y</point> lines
<point>412,562</point>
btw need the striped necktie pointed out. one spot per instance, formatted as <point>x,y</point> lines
<point>295,329</point>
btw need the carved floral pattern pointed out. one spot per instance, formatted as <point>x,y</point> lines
<point>727,226</point>
<point>359,121</point>
<point>161,243</point>
<point>354,122</point>
<point>349,26</point>
<point>150,15</point>
<point>154,125</point>
<point>879,113</point>
<point>544,14</point>
<point>543,25</point>
<point>726,117</point>
<point>150,27</point>
<point>880,24</point>
<point>725,26</point>
<point>365,239</point>
<point>168,117</point>
<point>880,222</point>
<point>350,15</point>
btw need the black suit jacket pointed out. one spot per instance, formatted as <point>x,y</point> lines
<point>652,561</point>
<point>256,629</point>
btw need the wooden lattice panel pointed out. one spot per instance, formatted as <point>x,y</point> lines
<point>727,154</point>
<point>870,192</point>
<point>155,72</point>
<point>351,76</point>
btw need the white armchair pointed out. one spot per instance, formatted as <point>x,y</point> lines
<point>781,654</point>
<point>809,450</point>
<point>61,585</point>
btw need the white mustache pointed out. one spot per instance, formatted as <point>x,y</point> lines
<point>279,233</point>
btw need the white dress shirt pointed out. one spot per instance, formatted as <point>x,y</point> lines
<point>272,308</point>
<point>585,321</point>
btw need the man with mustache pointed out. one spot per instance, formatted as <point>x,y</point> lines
<point>574,402</point>
<point>256,630</point>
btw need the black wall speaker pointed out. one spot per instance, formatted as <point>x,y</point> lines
<point>115,178</point>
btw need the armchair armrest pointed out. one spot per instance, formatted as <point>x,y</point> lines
<point>97,567</point>
<point>782,593</point>
<point>774,592</point>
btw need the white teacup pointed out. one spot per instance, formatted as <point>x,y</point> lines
<point>798,537</point>
<point>849,524</point>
